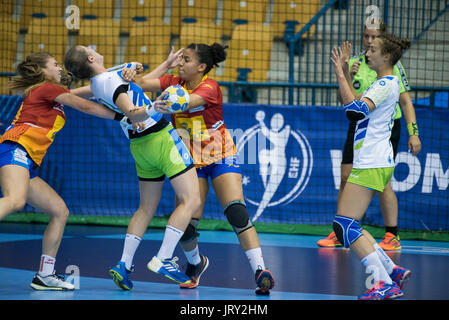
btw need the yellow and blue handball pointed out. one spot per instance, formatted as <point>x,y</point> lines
<point>177,99</point>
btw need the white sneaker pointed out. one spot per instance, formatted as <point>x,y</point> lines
<point>50,282</point>
<point>168,268</point>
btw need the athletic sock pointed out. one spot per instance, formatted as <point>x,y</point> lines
<point>129,249</point>
<point>393,230</point>
<point>171,239</point>
<point>47,265</point>
<point>375,267</point>
<point>255,259</point>
<point>193,256</point>
<point>386,261</point>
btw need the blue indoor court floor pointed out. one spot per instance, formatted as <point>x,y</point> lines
<point>302,271</point>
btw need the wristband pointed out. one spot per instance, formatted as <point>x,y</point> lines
<point>118,116</point>
<point>149,110</point>
<point>412,129</point>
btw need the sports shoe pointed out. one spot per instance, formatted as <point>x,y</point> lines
<point>329,242</point>
<point>168,268</point>
<point>264,282</point>
<point>194,272</point>
<point>51,282</point>
<point>121,275</point>
<point>400,276</point>
<point>382,291</point>
<point>390,242</point>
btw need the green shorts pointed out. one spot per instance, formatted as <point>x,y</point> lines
<point>160,154</point>
<point>376,179</point>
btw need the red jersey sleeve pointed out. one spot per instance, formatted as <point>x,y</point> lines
<point>169,80</point>
<point>209,91</point>
<point>49,91</point>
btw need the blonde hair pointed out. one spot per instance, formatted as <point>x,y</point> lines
<point>378,23</point>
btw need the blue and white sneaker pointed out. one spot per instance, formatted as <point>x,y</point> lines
<point>168,268</point>
<point>51,282</point>
<point>121,275</point>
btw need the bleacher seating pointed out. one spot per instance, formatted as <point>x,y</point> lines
<point>192,11</point>
<point>133,10</point>
<point>7,8</point>
<point>293,10</point>
<point>144,29</point>
<point>148,43</point>
<point>249,48</point>
<point>237,12</point>
<point>95,9</point>
<point>9,35</point>
<point>40,8</point>
<point>102,35</point>
<point>46,34</point>
<point>199,32</point>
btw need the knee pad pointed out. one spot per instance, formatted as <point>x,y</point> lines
<point>191,231</point>
<point>347,230</point>
<point>238,216</point>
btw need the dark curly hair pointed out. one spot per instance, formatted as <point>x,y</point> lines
<point>210,55</point>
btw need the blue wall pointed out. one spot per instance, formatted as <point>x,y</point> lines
<point>91,167</point>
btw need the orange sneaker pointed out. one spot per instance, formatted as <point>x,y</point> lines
<point>329,242</point>
<point>195,272</point>
<point>390,243</point>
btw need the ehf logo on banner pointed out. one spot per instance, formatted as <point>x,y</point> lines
<point>283,158</point>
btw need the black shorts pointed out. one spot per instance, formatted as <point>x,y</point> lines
<point>348,149</point>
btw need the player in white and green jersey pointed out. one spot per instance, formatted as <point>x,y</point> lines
<point>365,76</point>
<point>158,152</point>
<point>372,147</point>
<point>362,76</point>
<point>373,160</point>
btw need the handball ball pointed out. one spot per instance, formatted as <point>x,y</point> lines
<point>177,98</point>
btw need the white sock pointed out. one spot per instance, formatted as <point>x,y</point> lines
<point>255,259</point>
<point>375,267</point>
<point>386,261</point>
<point>47,265</point>
<point>193,257</point>
<point>129,249</point>
<point>171,239</point>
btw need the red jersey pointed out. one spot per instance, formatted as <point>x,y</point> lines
<point>37,121</point>
<point>209,139</point>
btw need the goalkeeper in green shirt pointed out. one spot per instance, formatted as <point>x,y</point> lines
<point>361,77</point>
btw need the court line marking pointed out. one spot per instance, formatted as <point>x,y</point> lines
<point>14,285</point>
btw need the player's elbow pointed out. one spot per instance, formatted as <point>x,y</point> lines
<point>356,110</point>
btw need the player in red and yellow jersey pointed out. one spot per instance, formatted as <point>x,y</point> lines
<point>214,153</point>
<point>208,137</point>
<point>23,147</point>
<point>38,120</point>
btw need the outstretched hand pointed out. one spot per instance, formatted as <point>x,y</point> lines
<point>337,60</point>
<point>340,56</point>
<point>174,58</point>
<point>346,52</point>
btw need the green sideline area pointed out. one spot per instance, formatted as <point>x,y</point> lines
<point>211,224</point>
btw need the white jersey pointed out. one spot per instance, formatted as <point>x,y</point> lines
<point>372,146</point>
<point>104,85</point>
